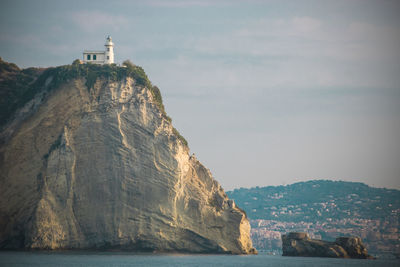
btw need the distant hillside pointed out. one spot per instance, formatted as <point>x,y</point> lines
<point>323,209</point>
<point>317,200</point>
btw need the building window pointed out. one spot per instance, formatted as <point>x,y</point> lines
<point>108,49</point>
<point>94,57</point>
<point>108,57</point>
<point>88,57</point>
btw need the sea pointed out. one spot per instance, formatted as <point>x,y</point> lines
<point>68,258</point>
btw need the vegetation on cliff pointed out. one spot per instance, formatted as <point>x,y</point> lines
<point>18,86</point>
<point>15,88</point>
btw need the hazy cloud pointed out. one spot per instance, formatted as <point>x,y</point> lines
<point>305,51</point>
<point>306,24</point>
<point>91,21</point>
<point>182,3</point>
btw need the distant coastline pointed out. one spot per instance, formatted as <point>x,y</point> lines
<point>325,209</point>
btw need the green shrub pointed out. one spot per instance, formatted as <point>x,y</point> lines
<point>127,63</point>
<point>76,62</point>
<point>179,136</point>
<point>158,99</point>
<point>15,88</point>
<point>137,73</point>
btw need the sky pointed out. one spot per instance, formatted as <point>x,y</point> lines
<point>265,92</point>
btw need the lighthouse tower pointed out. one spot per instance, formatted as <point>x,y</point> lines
<point>109,53</point>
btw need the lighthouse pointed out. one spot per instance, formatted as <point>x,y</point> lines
<point>100,57</point>
<point>109,53</point>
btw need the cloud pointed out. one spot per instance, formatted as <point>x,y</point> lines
<point>93,20</point>
<point>291,36</point>
<point>182,4</point>
<point>306,24</point>
<point>305,52</point>
<point>28,38</point>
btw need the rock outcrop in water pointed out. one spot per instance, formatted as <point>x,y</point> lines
<point>300,244</point>
<point>92,161</point>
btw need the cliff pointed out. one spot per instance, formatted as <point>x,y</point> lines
<point>91,160</point>
<point>300,244</point>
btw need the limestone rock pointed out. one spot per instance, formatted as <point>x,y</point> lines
<point>300,244</point>
<point>104,168</point>
<point>353,246</point>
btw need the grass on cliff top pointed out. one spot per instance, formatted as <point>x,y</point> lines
<point>17,86</point>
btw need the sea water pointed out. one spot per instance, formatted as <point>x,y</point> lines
<point>8,258</point>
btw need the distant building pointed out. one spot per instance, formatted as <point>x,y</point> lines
<point>100,57</point>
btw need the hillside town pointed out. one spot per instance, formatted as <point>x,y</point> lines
<point>325,210</point>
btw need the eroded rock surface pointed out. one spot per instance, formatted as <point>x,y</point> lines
<point>300,244</point>
<point>103,168</point>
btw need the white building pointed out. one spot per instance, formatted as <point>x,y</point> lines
<point>100,57</point>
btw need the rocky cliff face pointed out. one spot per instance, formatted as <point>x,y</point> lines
<point>103,167</point>
<point>300,244</point>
